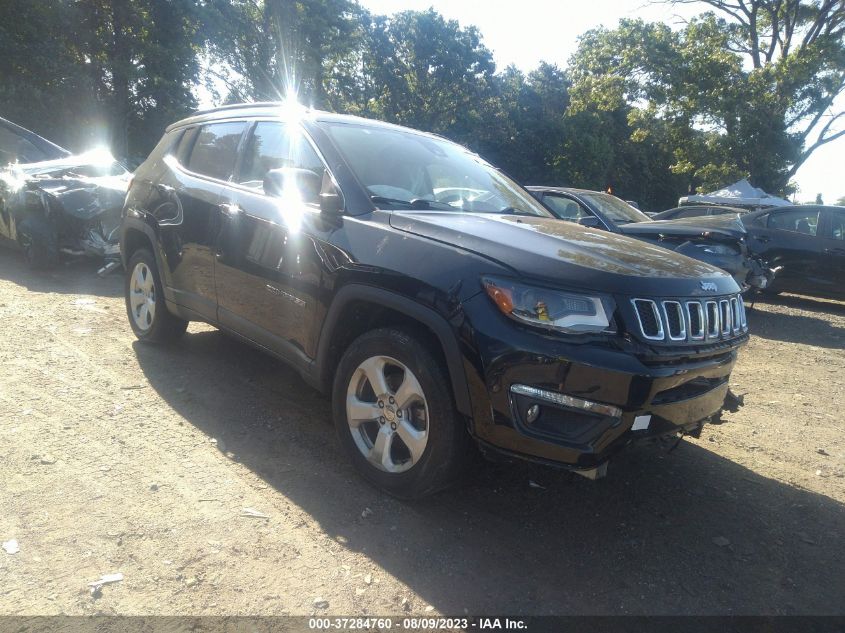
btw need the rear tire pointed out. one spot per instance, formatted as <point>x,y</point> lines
<point>405,435</point>
<point>149,317</point>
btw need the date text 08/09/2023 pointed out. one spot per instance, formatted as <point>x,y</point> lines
<point>417,624</point>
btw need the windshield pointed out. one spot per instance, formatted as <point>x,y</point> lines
<point>404,170</point>
<point>617,210</point>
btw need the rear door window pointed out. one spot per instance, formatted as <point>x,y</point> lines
<point>215,149</point>
<point>804,221</point>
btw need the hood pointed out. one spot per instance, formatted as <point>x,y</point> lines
<point>727,225</point>
<point>95,163</point>
<point>566,254</point>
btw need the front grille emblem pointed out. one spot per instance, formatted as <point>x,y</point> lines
<point>708,286</point>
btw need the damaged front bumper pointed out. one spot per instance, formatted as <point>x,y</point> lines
<point>576,404</point>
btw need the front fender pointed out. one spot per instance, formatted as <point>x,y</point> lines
<point>435,322</point>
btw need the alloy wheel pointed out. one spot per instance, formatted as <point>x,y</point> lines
<point>387,414</point>
<point>142,296</point>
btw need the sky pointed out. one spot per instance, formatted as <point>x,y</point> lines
<point>524,33</point>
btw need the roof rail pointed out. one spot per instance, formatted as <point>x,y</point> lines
<point>235,106</point>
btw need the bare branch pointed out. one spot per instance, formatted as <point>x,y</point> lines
<point>821,140</point>
<point>774,12</point>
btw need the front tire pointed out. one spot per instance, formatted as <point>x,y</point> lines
<point>395,415</point>
<point>148,315</point>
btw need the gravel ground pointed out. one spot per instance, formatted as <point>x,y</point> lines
<point>120,457</point>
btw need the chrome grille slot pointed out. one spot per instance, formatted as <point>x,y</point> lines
<point>675,324</point>
<point>725,316</point>
<point>695,318</point>
<point>651,325</point>
<point>736,319</point>
<point>711,314</point>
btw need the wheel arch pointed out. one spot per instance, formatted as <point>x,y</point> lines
<point>133,239</point>
<point>358,308</point>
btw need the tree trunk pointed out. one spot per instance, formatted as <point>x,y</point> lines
<point>121,63</point>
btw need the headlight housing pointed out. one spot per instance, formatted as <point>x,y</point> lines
<point>569,312</point>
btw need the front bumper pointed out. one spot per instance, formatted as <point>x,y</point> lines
<point>610,397</point>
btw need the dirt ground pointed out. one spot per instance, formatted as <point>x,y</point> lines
<point>120,457</point>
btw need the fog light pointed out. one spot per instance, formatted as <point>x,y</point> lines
<point>532,414</point>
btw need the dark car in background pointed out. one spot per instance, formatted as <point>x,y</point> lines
<point>696,211</point>
<point>432,296</point>
<point>54,203</point>
<point>719,241</point>
<point>805,243</point>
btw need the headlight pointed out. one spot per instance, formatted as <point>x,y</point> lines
<point>564,311</point>
<point>717,249</point>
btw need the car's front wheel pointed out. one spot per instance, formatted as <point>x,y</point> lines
<point>148,315</point>
<point>394,414</point>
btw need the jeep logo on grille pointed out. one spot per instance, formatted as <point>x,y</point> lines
<point>708,286</point>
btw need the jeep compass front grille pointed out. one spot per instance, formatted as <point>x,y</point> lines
<point>690,320</point>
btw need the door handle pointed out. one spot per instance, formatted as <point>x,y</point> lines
<point>763,238</point>
<point>230,210</point>
<point>835,251</point>
<point>163,189</point>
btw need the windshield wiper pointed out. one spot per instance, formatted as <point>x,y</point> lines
<point>385,200</point>
<point>416,203</point>
<point>515,211</point>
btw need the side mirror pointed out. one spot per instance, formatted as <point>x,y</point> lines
<point>331,202</point>
<point>304,181</point>
<point>590,221</point>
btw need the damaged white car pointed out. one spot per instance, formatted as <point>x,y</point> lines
<point>54,203</point>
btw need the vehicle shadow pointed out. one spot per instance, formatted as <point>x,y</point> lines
<point>792,327</point>
<point>73,276</point>
<point>809,304</point>
<point>669,533</point>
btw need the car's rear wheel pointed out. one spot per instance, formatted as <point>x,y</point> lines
<point>394,414</point>
<point>148,315</point>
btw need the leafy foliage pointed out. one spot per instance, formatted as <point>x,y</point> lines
<point>743,90</point>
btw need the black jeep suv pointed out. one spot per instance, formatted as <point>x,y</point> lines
<point>433,297</point>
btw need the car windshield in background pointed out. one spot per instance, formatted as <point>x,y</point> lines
<point>617,210</point>
<point>403,170</point>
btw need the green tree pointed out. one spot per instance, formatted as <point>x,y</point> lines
<point>270,49</point>
<point>524,132</point>
<point>740,104</point>
<point>427,72</point>
<point>99,71</point>
<point>796,50</point>
<point>42,85</point>
<point>141,57</point>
